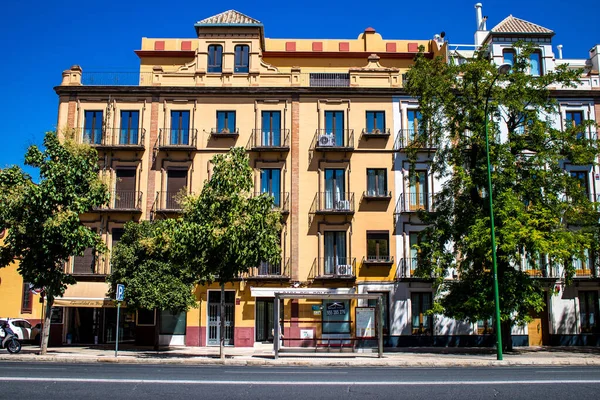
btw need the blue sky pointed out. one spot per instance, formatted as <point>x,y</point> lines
<point>41,38</point>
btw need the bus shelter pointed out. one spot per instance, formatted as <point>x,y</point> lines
<point>277,334</point>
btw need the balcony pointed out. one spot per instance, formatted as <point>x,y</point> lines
<point>414,202</point>
<point>330,268</point>
<point>411,138</point>
<point>329,79</point>
<point>168,201</point>
<point>585,268</point>
<point>374,195</point>
<point>337,140</point>
<point>176,139</point>
<point>406,269</point>
<point>375,133</point>
<point>114,138</point>
<point>378,260</point>
<point>269,141</point>
<point>123,200</point>
<point>217,133</point>
<point>278,271</point>
<point>333,203</point>
<point>281,201</point>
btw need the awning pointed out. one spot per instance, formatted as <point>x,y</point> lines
<point>85,294</point>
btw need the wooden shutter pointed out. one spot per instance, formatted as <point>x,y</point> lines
<point>125,189</point>
<point>176,181</point>
<point>85,264</point>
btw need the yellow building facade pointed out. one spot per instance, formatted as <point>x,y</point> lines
<point>320,123</point>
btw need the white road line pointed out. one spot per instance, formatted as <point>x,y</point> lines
<point>301,383</point>
<point>288,372</point>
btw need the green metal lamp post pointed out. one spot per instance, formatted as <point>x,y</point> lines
<point>502,70</point>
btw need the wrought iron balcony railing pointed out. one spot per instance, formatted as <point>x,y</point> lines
<point>270,271</point>
<point>333,203</point>
<point>224,132</point>
<point>333,267</point>
<point>413,202</point>
<point>281,200</point>
<point>378,260</point>
<point>377,195</point>
<point>333,140</point>
<point>413,138</point>
<point>261,140</point>
<point>407,267</point>
<point>168,201</point>
<point>375,133</point>
<point>125,200</point>
<point>184,139</point>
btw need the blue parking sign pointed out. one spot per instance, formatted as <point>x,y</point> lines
<point>120,292</point>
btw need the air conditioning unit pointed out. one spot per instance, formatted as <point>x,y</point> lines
<point>326,140</point>
<point>343,205</point>
<point>344,269</point>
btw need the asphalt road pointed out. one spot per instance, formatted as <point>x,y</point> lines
<point>20,380</point>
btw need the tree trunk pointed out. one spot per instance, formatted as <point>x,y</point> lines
<point>46,327</point>
<point>222,327</point>
<point>157,331</point>
<point>506,328</point>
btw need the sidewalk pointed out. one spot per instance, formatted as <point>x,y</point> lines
<point>399,357</point>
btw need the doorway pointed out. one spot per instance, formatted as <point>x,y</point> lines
<point>264,319</point>
<point>214,317</point>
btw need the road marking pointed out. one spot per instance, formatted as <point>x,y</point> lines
<point>299,383</point>
<point>288,372</point>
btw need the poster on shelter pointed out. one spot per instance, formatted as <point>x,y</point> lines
<point>337,308</point>
<point>365,322</point>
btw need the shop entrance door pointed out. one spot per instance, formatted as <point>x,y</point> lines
<point>214,317</point>
<point>264,319</point>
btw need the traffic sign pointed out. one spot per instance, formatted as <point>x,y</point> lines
<point>120,292</point>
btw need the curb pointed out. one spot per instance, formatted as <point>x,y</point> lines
<point>200,360</point>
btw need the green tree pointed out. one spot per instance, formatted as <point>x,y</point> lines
<point>225,230</point>
<point>44,229</point>
<point>539,208</point>
<point>142,262</point>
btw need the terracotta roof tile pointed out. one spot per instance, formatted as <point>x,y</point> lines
<point>512,24</point>
<point>229,17</point>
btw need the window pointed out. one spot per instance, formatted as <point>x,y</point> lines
<point>242,58</point>
<point>386,309</point>
<point>271,129</point>
<point>225,121</point>
<point>421,322</point>
<point>508,56</point>
<point>146,317</point>
<point>535,63</point>
<point>92,131</point>
<point>26,299</point>
<point>414,240</point>
<point>574,119</point>
<point>582,264</point>
<point>85,264</point>
<point>176,183</point>
<point>335,253</point>
<point>335,186</point>
<point>336,316</point>
<point>180,128</point>
<point>414,124</point>
<point>418,195</point>
<point>375,122</point>
<point>588,311</point>
<point>215,58</point>
<point>125,194</point>
<point>270,182</point>
<point>378,248</point>
<point>129,127</point>
<point>582,178</point>
<point>377,182</point>
<point>334,126</point>
<point>172,323</point>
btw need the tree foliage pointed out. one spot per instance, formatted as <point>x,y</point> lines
<point>540,209</point>
<point>44,229</point>
<point>142,262</point>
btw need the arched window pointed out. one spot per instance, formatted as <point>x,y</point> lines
<point>508,56</point>
<point>535,63</point>
<point>242,58</point>
<point>215,58</point>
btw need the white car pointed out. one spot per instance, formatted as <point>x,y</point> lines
<point>21,328</point>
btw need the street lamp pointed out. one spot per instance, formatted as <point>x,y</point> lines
<point>502,70</point>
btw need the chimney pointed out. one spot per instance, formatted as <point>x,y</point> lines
<point>478,16</point>
<point>559,48</point>
<point>594,57</point>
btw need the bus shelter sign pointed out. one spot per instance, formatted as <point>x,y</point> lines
<point>365,322</point>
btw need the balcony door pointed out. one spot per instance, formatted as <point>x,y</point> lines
<point>417,191</point>
<point>271,128</point>
<point>180,128</point>
<point>176,182</point>
<point>270,182</point>
<point>335,187</point>
<point>334,126</point>
<point>414,123</point>
<point>573,119</point>
<point>92,131</point>
<point>125,189</point>
<point>129,127</point>
<point>335,252</point>
<point>413,261</point>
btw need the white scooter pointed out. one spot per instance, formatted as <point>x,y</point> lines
<point>8,340</point>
